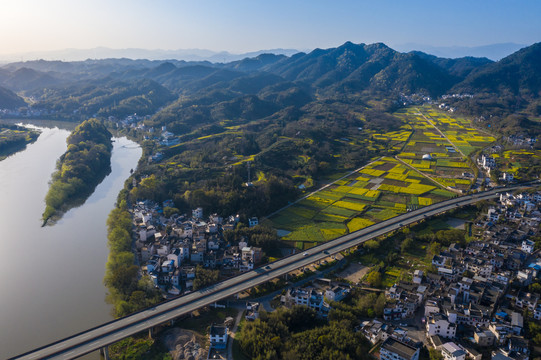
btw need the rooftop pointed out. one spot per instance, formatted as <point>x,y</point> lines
<point>398,347</point>
<point>453,349</point>
<point>218,330</point>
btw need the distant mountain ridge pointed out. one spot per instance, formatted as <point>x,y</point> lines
<point>135,53</point>
<point>493,52</point>
<point>272,81</point>
<point>517,74</point>
<point>10,100</point>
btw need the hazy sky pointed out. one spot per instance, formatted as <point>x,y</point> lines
<point>248,25</point>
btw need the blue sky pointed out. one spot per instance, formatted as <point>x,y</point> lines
<point>241,26</point>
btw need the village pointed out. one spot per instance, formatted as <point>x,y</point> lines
<point>477,302</point>
<point>169,249</point>
<point>474,300</point>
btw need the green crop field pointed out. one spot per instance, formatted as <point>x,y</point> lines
<point>430,142</point>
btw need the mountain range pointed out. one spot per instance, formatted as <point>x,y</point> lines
<point>135,53</point>
<point>259,86</point>
<point>493,51</point>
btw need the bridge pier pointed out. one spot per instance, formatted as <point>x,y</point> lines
<point>104,353</point>
<point>151,333</point>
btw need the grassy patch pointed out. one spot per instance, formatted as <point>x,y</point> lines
<point>206,317</point>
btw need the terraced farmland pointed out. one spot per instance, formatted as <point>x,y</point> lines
<point>527,161</point>
<point>438,145</point>
<point>430,161</point>
<point>379,191</point>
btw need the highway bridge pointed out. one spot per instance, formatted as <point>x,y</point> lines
<point>102,336</point>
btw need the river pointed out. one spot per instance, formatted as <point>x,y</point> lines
<point>51,277</point>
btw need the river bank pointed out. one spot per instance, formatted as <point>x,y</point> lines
<point>15,138</point>
<point>55,283</point>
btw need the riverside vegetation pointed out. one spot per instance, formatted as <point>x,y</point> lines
<point>80,169</point>
<point>14,138</point>
<point>127,292</point>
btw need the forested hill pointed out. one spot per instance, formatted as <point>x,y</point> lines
<point>359,67</point>
<point>10,100</point>
<point>506,93</point>
<point>80,169</point>
<point>104,98</point>
<point>516,74</point>
<point>189,95</point>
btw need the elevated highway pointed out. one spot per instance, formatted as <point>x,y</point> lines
<point>111,332</point>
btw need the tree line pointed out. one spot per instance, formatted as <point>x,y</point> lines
<point>128,292</point>
<point>14,138</point>
<point>80,169</point>
<point>297,333</point>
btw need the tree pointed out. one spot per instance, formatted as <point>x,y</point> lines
<point>406,245</point>
<point>204,277</point>
<point>535,288</point>
<point>380,305</point>
<point>374,279</point>
<point>434,248</point>
<point>371,244</point>
<point>169,211</point>
<point>435,354</point>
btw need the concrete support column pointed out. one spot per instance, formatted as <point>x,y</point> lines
<point>151,333</point>
<point>104,353</point>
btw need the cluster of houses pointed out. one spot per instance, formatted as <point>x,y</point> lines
<point>169,249</point>
<point>521,141</point>
<point>488,163</point>
<point>135,121</point>
<point>444,106</point>
<point>477,298</point>
<point>132,121</point>
<point>25,112</point>
<point>317,296</point>
<point>414,99</point>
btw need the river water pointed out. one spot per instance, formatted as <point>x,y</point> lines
<point>51,277</point>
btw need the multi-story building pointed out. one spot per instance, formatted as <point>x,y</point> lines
<point>452,351</point>
<point>438,324</point>
<point>394,349</point>
<point>484,338</point>
<point>218,336</point>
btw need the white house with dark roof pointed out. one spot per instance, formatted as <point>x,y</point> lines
<point>218,336</point>
<point>394,349</point>
<point>439,324</point>
<point>527,300</point>
<point>528,246</point>
<point>452,351</point>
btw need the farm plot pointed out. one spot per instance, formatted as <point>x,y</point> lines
<point>527,161</point>
<point>428,146</point>
<point>432,148</point>
<point>381,190</point>
<point>459,131</point>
